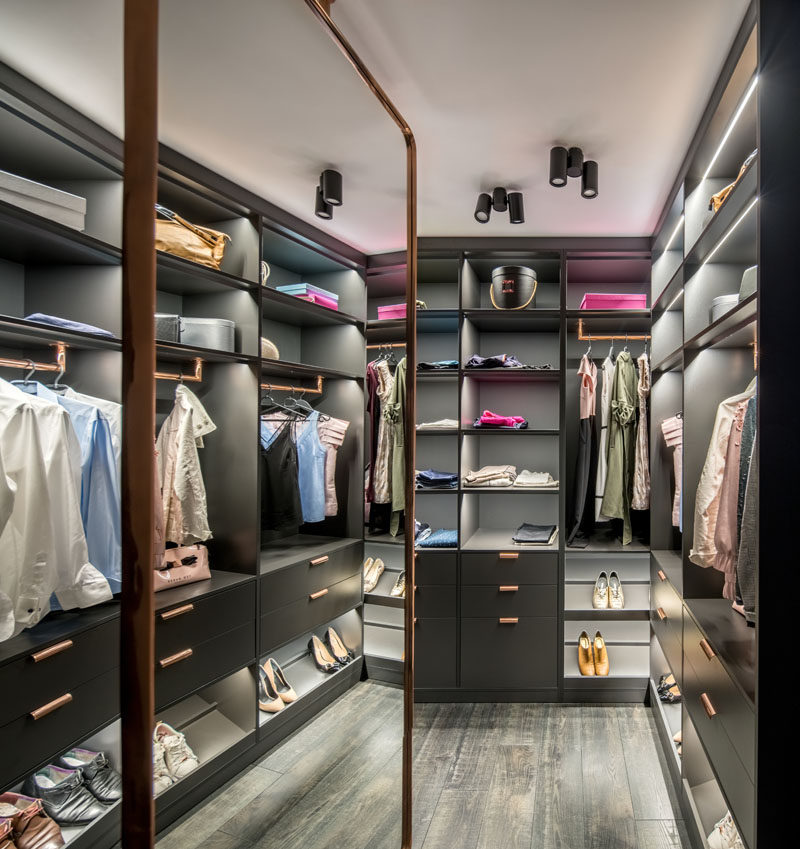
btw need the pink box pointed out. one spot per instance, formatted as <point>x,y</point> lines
<point>324,302</point>
<point>610,301</point>
<point>392,311</point>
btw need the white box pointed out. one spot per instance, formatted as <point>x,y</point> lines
<point>50,203</point>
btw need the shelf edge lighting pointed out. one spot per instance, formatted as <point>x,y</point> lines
<point>733,226</point>
<point>732,124</point>
<point>674,233</point>
<point>674,300</point>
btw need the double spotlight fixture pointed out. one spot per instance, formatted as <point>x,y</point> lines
<point>570,163</point>
<point>329,193</point>
<point>500,200</point>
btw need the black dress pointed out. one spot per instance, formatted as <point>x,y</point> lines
<point>280,489</point>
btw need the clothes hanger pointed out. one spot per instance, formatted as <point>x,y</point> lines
<point>27,380</point>
<point>625,349</point>
<point>589,349</point>
<point>611,350</point>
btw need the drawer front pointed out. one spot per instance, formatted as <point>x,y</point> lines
<point>434,601</point>
<point>280,626</point>
<point>734,712</point>
<point>435,653</point>
<point>731,772</point>
<point>509,567</point>
<point>179,673</point>
<point>666,616</point>
<point>195,622</point>
<point>50,672</point>
<point>436,567</point>
<point>294,582</point>
<point>517,656</point>
<point>509,600</point>
<point>27,742</point>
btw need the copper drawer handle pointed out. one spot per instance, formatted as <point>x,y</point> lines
<point>661,575</point>
<point>508,555</point>
<point>660,612</point>
<point>508,620</point>
<point>175,658</point>
<point>710,710</point>
<point>177,611</point>
<point>51,650</point>
<point>709,652</point>
<point>510,588</point>
<point>415,620</point>
<point>51,706</point>
<point>318,594</point>
<point>318,560</point>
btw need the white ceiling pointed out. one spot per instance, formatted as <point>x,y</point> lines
<point>256,91</point>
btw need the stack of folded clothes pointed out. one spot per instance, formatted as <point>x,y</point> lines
<point>442,538</point>
<point>434,479</point>
<point>527,534</point>
<point>438,365</point>
<point>422,530</point>
<point>535,480</point>
<point>493,421</point>
<point>501,361</point>
<point>491,476</point>
<point>439,424</point>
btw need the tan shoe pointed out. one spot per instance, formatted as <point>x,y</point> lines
<point>585,656</point>
<point>600,593</point>
<point>371,578</point>
<point>367,568</point>
<point>278,681</point>
<point>601,665</point>
<point>616,598</point>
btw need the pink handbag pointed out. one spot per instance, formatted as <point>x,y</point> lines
<point>182,565</point>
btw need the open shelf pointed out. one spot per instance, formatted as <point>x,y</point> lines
<point>469,429</point>
<point>386,330</point>
<point>184,277</point>
<point>579,597</point>
<point>510,490</point>
<point>280,307</point>
<point>609,321</point>
<point>500,321</point>
<point>492,539</point>
<point>288,550</point>
<point>18,331</point>
<point>382,593</point>
<point>625,661</point>
<point>384,538</point>
<point>512,374</point>
<point>175,352</point>
<point>731,330</point>
<point>285,368</point>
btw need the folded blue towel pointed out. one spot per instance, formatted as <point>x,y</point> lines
<point>442,538</point>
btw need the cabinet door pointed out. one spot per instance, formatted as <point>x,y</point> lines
<point>435,653</point>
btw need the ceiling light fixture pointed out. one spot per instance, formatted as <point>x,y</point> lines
<point>558,167</point>
<point>331,184</point>
<point>589,179</point>
<point>732,124</point>
<point>516,210</point>
<point>727,235</point>
<point>574,162</point>
<point>322,209</point>
<point>674,233</point>
<point>570,163</point>
<point>500,200</point>
<point>483,209</point>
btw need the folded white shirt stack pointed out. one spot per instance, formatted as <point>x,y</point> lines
<point>439,424</point>
<point>491,476</point>
<point>535,480</point>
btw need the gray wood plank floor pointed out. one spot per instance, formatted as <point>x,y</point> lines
<point>486,776</point>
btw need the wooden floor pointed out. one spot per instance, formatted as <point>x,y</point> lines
<point>486,776</point>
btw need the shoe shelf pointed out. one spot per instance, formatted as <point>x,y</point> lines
<point>625,661</point>
<point>383,538</point>
<point>493,539</point>
<point>381,595</point>
<point>384,642</point>
<point>668,717</point>
<point>308,681</point>
<point>636,633</point>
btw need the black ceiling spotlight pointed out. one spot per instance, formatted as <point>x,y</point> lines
<point>329,194</point>
<point>500,200</point>
<point>570,163</point>
<point>322,209</point>
<point>589,179</point>
<point>483,209</point>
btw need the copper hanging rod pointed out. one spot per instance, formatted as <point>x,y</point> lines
<point>181,377</point>
<point>388,345</point>
<point>59,365</point>
<point>306,389</point>
<point>628,337</point>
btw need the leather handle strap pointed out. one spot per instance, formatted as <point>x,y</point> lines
<point>39,712</point>
<point>50,651</point>
<point>177,611</point>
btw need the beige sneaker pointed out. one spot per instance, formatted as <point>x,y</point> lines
<point>600,594</point>
<point>616,598</point>
<point>371,578</point>
<point>161,777</point>
<point>178,757</point>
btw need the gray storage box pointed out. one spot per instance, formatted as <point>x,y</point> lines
<point>168,327</point>
<point>53,204</point>
<point>721,305</point>
<point>216,333</point>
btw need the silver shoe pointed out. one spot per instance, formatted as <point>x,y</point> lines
<point>600,593</point>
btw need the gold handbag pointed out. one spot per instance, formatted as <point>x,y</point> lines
<point>181,238</point>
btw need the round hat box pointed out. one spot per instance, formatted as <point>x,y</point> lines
<point>513,287</point>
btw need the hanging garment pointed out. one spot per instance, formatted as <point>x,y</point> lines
<point>706,505</point>
<point>382,475</point>
<point>373,411</point>
<point>747,564</point>
<point>395,413</point>
<point>621,445</point>
<point>726,540</point>
<point>641,465</point>
<point>8,491</point>
<point>280,491</point>
<point>331,434</point>
<point>602,454</point>
<point>183,490</point>
<point>748,440</point>
<point>113,413</point>
<point>587,372</point>
<point>311,469</point>
<point>672,429</point>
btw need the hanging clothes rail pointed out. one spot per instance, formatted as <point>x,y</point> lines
<point>183,378</point>
<point>307,390</point>
<point>630,337</point>
<point>387,345</point>
<point>59,365</point>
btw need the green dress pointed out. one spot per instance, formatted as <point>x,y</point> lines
<point>621,448</point>
<point>395,416</point>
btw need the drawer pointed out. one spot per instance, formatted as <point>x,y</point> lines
<point>435,653</point>
<point>179,673</point>
<point>42,676</point>
<point>509,656</point>
<point>299,617</point>
<point>28,742</point>
<point>732,775</point>
<point>509,567</point>
<point>435,601</point>
<point>666,616</point>
<point>509,600</point>
<point>436,567</point>
<point>307,576</point>
<point>734,711</point>
<point>194,622</point>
